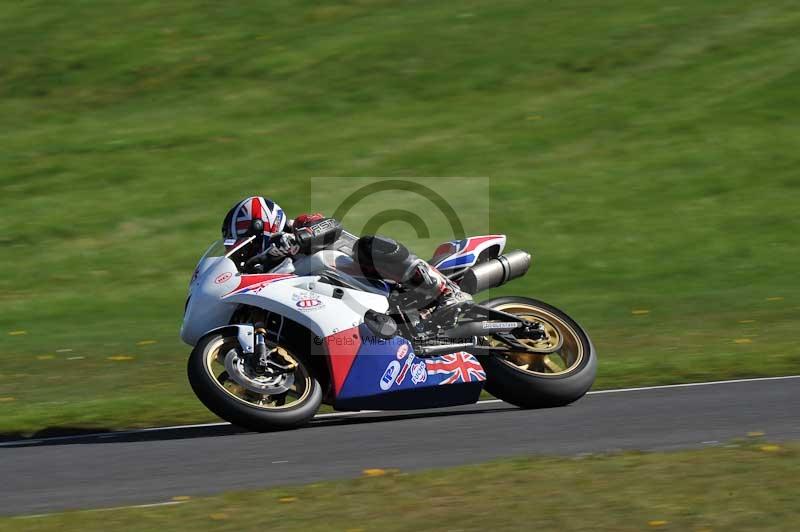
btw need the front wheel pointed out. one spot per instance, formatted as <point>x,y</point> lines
<point>558,378</point>
<point>223,381</point>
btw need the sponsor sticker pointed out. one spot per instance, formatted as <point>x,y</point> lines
<point>419,372</point>
<point>500,324</point>
<point>308,304</point>
<point>389,375</point>
<point>223,277</point>
<point>307,301</point>
<point>404,370</point>
<point>402,351</point>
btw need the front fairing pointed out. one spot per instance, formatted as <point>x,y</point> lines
<point>218,288</point>
<point>214,276</point>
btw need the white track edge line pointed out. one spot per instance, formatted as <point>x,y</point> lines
<point>150,505</point>
<point>692,384</point>
<point>345,414</point>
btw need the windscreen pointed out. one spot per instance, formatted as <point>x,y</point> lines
<point>215,251</point>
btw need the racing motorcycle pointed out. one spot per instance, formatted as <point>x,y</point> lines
<point>271,347</point>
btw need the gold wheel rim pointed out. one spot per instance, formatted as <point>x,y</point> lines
<point>564,360</point>
<point>215,367</point>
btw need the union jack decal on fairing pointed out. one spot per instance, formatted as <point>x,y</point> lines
<point>458,367</point>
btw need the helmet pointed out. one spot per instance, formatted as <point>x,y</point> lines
<point>239,222</point>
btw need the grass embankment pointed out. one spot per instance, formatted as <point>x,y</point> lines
<point>743,488</point>
<point>647,153</point>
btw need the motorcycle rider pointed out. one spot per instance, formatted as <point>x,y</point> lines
<point>418,285</point>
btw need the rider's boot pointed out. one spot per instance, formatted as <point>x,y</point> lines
<point>426,289</point>
<point>421,287</point>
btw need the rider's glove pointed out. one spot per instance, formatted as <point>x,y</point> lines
<point>317,234</point>
<point>284,246</point>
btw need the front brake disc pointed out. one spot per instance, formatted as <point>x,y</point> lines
<point>268,384</point>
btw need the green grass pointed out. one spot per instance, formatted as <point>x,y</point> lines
<point>646,152</point>
<point>753,487</point>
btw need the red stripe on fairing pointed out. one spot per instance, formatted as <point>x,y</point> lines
<point>342,350</point>
<point>474,242</point>
<point>265,278</point>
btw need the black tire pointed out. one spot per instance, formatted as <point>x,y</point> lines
<point>237,411</point>
<point>527,390</point>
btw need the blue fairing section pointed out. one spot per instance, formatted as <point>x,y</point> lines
<point>386,375</point>
<point>466,260</point>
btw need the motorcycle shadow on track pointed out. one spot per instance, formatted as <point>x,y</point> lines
<point>75,436</point>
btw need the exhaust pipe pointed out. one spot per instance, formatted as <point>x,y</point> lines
<point>496,272</point>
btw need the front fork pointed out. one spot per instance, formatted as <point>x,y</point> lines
<point>261,347</point>
<point>264,360</point>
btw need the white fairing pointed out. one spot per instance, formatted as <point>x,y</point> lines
<point>218,289</point>
<point>312,303</point>
<point>204,308</point>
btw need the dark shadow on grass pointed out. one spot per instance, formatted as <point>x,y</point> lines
<point>76,436</point>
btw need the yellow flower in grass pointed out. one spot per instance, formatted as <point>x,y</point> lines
<point>119,358</point>
<point>379,472</point>
<point>657,523</point>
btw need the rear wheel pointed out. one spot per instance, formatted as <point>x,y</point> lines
<point>224,382</point>
<point>563,375</point>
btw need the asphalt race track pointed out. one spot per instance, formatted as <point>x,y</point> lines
<point>141,467</point>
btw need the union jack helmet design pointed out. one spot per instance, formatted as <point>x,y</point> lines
<point>238,220</point>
